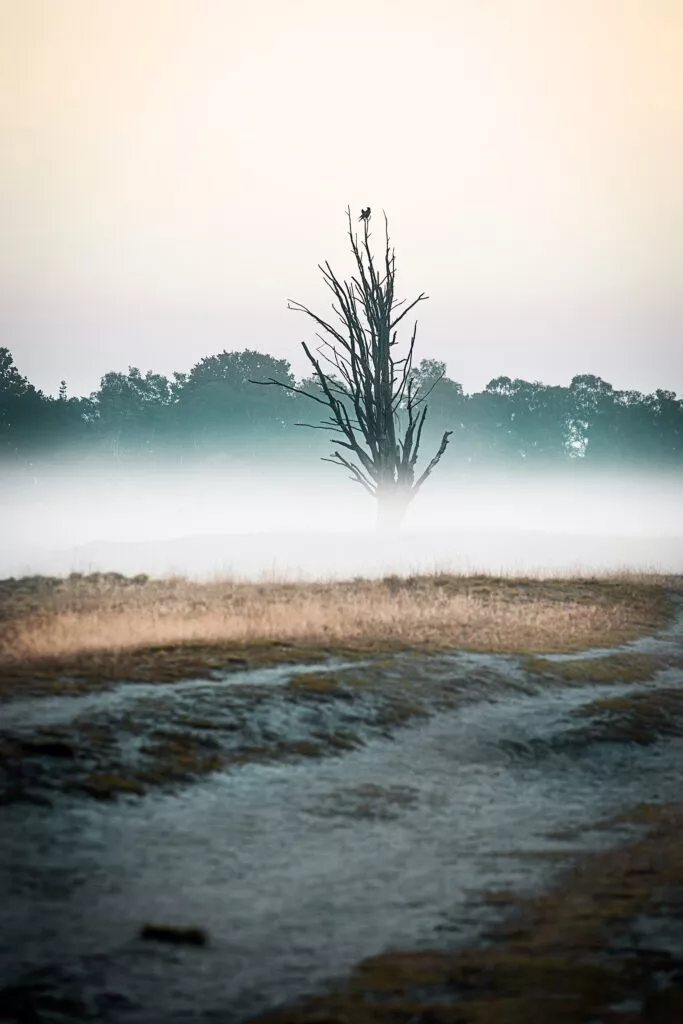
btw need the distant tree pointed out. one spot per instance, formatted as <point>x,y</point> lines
<point>12,383</point>
<point>591,401</point>
<point>636,429</point>
<point>447,404</point>
<point>214,411</point>
<point>538,421</point>
<point>131,409</point>
<point>21,411</point>
<point>375,405</point>
<point>515,423</point>
<point>428,373</point>
<point>220,410</point>
<point>489,419</point>
<point>668,425</point>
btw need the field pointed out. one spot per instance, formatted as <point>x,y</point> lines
<point>326,795</point>
<point>129,625</point>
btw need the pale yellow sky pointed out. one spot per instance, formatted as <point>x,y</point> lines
<point>173,170</point>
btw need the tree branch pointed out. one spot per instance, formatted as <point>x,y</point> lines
<point>434,462</point>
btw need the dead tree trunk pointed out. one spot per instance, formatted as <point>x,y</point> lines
<point>376,412</point>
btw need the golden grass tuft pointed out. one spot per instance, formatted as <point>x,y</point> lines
<point>62,619</point>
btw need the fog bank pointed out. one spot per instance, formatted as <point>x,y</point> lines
<point>301,524</point>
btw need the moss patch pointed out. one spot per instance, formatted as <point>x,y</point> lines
<point>314,682</point>
<point>106,787</point>
<point>642,717</point>
<point>100,670</point>
<point>629,667</point>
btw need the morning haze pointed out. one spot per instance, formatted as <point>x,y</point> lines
<point>396,738</point>
<point>174,172</point>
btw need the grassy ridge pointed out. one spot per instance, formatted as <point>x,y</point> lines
<point>111,626</point>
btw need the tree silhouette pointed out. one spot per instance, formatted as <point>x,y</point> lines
<point>375,404</point>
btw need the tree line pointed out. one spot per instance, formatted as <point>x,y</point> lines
<point>214,412</point>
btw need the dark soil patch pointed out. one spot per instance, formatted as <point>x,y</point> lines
<point>174,935</point>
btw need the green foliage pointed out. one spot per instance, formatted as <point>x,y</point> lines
<point>32,423</point>
<point>216,400</point>
<point>214,411</point>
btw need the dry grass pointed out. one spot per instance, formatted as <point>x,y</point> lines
<point>60,619</point>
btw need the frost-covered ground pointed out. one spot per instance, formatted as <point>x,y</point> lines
<point>298,863</point>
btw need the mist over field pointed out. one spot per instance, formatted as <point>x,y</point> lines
<point>307,521</point>
<point>341,494</point>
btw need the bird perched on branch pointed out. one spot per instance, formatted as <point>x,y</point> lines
<point>365,214</point>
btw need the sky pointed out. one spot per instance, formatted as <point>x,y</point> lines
<point>174,170</point>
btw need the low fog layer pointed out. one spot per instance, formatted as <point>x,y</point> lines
<point>314,523</point>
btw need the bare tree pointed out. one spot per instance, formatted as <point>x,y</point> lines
<point>376,408</point>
